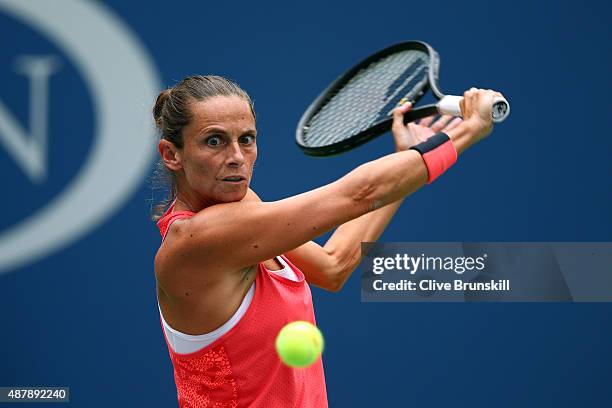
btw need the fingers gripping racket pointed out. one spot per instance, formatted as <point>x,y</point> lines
<point>358,106</point>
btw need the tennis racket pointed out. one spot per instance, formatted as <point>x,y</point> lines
<point>358,106</point>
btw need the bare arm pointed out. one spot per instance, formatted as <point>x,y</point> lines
<point>234,235</point>
<point>231,236</point>
<point>330,266</point>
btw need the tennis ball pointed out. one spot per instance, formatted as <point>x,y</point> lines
<point>299,344</point>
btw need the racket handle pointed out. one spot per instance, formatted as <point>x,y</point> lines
<point>450,105</point>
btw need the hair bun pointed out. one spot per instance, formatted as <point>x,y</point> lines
<point>158,109</point>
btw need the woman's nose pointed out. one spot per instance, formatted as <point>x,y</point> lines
<point>235,155</point>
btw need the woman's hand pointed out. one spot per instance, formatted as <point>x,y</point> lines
<point>476,108</point>
<point>406,136</point>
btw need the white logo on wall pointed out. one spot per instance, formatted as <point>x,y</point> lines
<point>121,150</point>
<point>30,150</point>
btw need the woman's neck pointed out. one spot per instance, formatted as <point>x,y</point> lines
<point>191,202</point>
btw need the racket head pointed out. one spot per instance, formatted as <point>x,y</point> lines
<point>358,105</point>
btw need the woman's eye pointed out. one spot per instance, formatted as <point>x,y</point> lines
<point>247,139</point>
<point>213,141</point>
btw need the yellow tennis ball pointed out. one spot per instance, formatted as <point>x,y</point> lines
<point>299,344</point>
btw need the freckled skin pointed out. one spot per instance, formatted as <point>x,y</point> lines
<point>218,142</point>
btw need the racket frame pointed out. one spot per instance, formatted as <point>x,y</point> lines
<point>384,125</point>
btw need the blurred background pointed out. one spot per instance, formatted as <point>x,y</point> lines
<point>77,149</point>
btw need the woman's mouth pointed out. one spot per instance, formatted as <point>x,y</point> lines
<point>234,179</point>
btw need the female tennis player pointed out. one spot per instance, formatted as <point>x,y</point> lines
<point>233,270</point>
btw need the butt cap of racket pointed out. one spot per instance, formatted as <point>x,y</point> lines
<point>450,105</point>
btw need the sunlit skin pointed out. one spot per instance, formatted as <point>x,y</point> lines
<point>200,287</point>
<point>219,142</point>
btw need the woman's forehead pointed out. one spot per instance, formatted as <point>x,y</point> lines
<point>222,109</point>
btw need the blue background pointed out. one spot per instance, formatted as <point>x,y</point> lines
<point>86,316</point>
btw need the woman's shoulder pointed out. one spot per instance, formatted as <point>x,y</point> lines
<point>175,264</point>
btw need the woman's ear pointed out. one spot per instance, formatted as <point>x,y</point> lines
<point>170,155</point>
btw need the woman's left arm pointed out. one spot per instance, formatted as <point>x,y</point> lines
<point>330,266</point>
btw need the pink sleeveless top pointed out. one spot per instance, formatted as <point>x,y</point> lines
<point>241,368</point>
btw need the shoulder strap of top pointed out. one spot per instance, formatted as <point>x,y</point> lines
<point>169,217</point>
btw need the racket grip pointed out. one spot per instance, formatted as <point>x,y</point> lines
<point>451,105</point>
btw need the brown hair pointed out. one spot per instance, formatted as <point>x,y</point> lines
<point>172,112</point>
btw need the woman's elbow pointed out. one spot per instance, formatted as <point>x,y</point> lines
<point>336,280</point>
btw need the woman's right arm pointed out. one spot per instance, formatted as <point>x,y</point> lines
<point>231,236</point>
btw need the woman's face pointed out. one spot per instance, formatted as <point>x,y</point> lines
<point>219,150</point>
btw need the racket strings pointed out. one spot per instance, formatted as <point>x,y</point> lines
<point>368,97</point>
<point>407,92</point>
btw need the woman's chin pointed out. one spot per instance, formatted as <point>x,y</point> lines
<point>231,196</point>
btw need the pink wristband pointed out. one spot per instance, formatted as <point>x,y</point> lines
<point>439,160</point>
